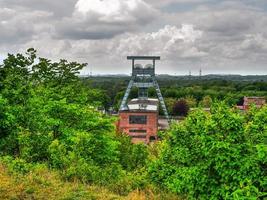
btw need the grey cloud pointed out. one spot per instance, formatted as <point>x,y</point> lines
<point>227,35</point>
<point>225,27</point>
<point>19,27</point>
<point>58,8</point>
<point>160,3</point>
<point>92,26</point>
<point>82,31</point>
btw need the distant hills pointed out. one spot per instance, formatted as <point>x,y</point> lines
<point>230,77</point>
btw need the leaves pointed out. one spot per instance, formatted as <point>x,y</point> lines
<point>49,115</point>
<point>208,156</point>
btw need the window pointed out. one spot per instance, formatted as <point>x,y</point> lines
<point>139,136</point>
<point>137,131</point>
<point>137,119</point>
<point>152,138</point>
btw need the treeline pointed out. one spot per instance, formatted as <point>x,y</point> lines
<point>50,121</point>
<point>195,91</point>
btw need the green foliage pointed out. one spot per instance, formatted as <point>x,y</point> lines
<point>33,146</point>
<point>169,104</point>
<point>132,156</point>
<point>223,88</point>
<point>41,101</point>
<point>49,116</point>
<point>57,74</point>
<point>191,101</point>
<point>221,155</point>
<point>206,101</point>
<point>16,165</point>
<point>89,156</point>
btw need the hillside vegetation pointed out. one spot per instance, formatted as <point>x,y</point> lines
<point>197,91</point>
<point>55,143</point>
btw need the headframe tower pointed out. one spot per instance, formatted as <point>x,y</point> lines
<point>143,77</point>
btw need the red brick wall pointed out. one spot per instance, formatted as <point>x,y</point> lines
<point>250,100</point>
<point>151,126</point>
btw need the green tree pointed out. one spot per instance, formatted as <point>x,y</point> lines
<point>206,102</point>
<point>132,156</point>
<point>50,116</point>
<point>217,155</point>
<point>191,101</point>
<point>169,104</point>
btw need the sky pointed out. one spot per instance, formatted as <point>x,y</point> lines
<point>217,36</point>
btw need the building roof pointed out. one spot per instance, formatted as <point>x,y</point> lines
<point>254,97</point>
<point>143,57</point>
<point>147,105</point>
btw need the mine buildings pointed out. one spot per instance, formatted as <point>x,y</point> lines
<point>139,117</point>
<point>140,121</point>
<point>248,101</point>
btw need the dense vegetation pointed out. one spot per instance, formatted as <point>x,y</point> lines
<point>55,143</point>
<point>195,90</point>
<point>217,155</point>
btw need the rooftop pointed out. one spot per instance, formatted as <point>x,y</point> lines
<point>143,57</point>
<point>149,105</point>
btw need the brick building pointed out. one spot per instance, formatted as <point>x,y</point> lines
<point>257,101</point>
<point>140,121</point>
<point>139,117</point>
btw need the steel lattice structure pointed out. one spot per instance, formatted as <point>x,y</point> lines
<point>143,78</point>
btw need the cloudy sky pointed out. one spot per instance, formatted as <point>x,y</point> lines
<point>219,36</point>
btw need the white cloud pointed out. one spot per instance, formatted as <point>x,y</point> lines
<point>170,42</point>
<point>107,8</point>
<point>167,41</point>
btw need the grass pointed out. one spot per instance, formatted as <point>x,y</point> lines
<point>42,183</point>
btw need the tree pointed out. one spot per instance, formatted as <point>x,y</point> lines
<point>217,155</point>
<point>132,156</point>
<point>191,101</point>
<point>206,102</point>
<point>46,104</point>
<point>56,73</point>
<point>180,108</point>
<point>169,104</point>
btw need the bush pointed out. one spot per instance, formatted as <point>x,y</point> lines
<point>221,155</point>
<point>33,146</point>
<point>16,165</point>
<point>181,108</point>
<point>131,156</point>
<point>206,102</point>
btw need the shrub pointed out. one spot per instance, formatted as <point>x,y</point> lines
<point>131,156</point>
<point>221,155</point>
<point>180,108</point>
<point>206,102</point>
<point>16,165</point>
<point>33,146</point>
